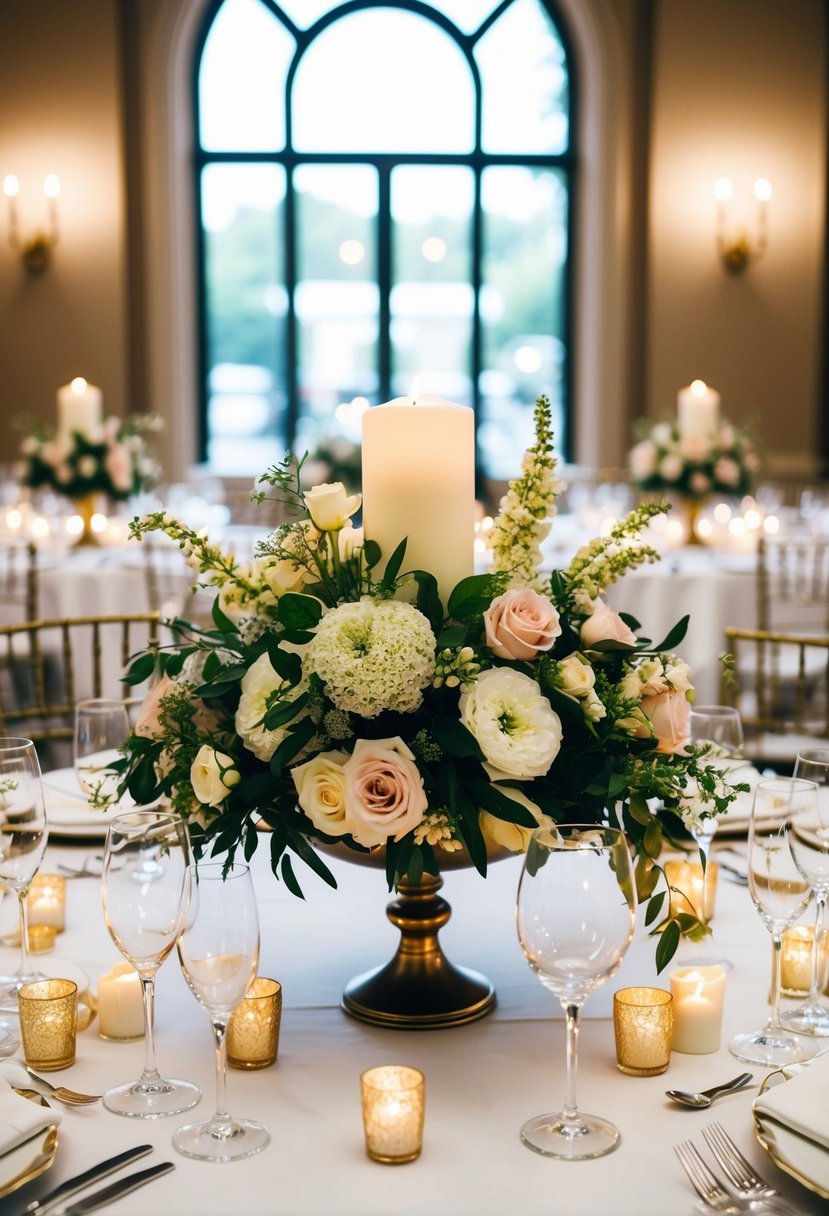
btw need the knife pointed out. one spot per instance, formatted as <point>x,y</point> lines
<point>109,1194</point>
<point>81,1180</point>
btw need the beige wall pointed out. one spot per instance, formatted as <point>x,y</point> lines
<point>60,112</point>
<point>738,89</point>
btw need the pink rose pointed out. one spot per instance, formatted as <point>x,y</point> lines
<point>521,623</point>
<point>669,715</point>
<point>605,625</point>
<point>384,793</point>
<point>205,717</point>
<point>119,467</point>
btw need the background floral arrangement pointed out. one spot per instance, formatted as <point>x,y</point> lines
<point>725,462</point>
<point>333,710</point>
<point>117,460</point>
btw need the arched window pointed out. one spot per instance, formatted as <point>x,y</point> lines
<point>383,192</point>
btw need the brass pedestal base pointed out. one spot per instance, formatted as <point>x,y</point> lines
<point>419,989</point>
<point>86,507</point>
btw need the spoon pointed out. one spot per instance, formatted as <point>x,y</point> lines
<point>707,1096</point>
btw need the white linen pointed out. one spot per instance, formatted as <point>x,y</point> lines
<point>67,810</point>
<point>482,1080</point>
<point>20,1118</point>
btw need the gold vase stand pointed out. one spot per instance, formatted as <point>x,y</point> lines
<point>419,989</point>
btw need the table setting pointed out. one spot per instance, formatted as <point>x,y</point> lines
<point>528,753</point>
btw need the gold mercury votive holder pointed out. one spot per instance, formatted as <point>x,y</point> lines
<point>48,1023</point>
<point>692,893</point>
<point>643,1023</point>
<point>393,1099</point>
<point>796,953</point>
<point>253,1029</point>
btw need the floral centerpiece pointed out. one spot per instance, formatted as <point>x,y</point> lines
<point>668,459</point>
<point>339,706</point>
<point>115,459</point>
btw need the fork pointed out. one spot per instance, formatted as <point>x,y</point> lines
<point>739,1171</point>
<point>705,1184</point>
<point>70,1096</point>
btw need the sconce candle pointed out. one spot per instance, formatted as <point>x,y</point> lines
<point>698,410</point>
<point>698,994</point>
<point>419,483</point>
<point>80,407</point>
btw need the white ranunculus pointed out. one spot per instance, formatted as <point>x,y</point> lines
<point>329,506</point>
<point>513,722</point>
<point>258,683</point>
<point>213,775</point>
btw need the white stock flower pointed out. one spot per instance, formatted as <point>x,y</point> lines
<point>213,775</point>
<point>515,726</point>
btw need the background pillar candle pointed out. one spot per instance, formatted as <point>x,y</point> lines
<point>419,482</point>
<point>698,410</point>
<point>80,407</point>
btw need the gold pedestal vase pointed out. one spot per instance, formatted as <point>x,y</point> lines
<point>419,989</point>
<point>86,506</point>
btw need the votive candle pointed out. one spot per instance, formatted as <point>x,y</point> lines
<point>796,954</point>
<point>643,1020</point>
<point>253,1029</point>
<point>699,994</point>
<point>695,895</point>
<point>393,1100</point>
<point>120,1004</point>
<point>46,901</point>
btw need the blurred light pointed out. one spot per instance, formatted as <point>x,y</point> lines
<point>51,185</point>
<point>723,189</point>
<point>351,411</point>
<point>40,527</point>
<point>762,190</point>
<point>528,359</point>
<point>11,186</point>
<point>722,512</point>
<point>352,252</point>
<point>771,524</point>
<point>433,249</point>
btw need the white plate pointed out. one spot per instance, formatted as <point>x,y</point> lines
<point>31,1158</point>
<point>52,965</point>
<point>68,812</point>
<point>799,1157</point>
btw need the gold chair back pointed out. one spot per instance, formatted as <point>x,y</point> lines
<point>47,666</point>
<point>793,584</point>
<point>780,684</point>
<point>19,581</point>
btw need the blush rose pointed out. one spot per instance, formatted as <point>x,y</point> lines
<point>384,794</point>
<point>520,624</point>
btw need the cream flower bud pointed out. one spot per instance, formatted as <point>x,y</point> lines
<point>213,775</point>
<point>330,507</point>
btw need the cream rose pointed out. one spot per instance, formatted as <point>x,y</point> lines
<point>384,794</point>
<point>320,786</point>
<point>575,676</point>
<point>515,726</point>
<point>667,719</point>
<point>520,624</point>
<point>605,625</point>
<point>512,836</point>
<point>329,506</point>
<point>213,775</point>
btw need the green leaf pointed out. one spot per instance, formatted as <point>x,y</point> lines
<point>393,567</point>
<point>639,809</point>
<point>471,597</point>
<point>285,663</point>
<point>675,636</point>
<point>289,878</point>
<point>654,907</point>
<point>501,805</point>
<point>312,859</point>
<point>371,553</point>
<point>428,600</point>
<point>292,745</point>
<point>652,843</point>
<point>141,669</point>
<point>223,623</point>
<point>299,611</point>
<point>667,945</point>
<point>284,711</point>
<point>455,739</point>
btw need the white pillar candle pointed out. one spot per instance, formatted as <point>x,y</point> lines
<point>46,901</point>
<point>698,410</point>
<point>419,483</point>
<point>80,407</point>
<point>120,1004</point>
<point>698,994</point>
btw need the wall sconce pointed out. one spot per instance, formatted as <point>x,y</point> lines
<point>36,249</point>
<point>737,250</point>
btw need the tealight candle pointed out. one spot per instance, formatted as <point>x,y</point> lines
<point>120,1004</point>
<point>46,901</point>
<point>643,1020</point>
<point>796,960</point>
<point>698,994</point>
<point>419,484</point>
<point>393,1099</point>
<point>253,1029</point>
<point>689,887</point>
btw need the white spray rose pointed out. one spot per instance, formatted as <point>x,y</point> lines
<point>213,775</point>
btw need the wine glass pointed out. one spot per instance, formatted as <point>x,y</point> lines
<point>23,836</point>
<point>575,916</point>
<point>780,894</point>
<point>219,953</point>
<point>719,730</point>
<point>146,885</point>
<point>809,842</point>
<point>101,727</point>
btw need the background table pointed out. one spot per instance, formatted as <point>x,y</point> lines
<point>482,1080</point>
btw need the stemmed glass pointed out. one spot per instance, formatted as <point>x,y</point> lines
<point>23,836</point>
<point>809,843</point>
<point>575,916</point>
<point>101,726</point>
<point>219,954</point>
<point>780,894</point>
<point>146,886</point>
<point>718,729</point>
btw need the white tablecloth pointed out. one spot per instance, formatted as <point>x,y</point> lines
<point>482,1080</point>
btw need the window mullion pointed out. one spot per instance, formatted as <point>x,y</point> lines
<point>384,281</point>
<point>291,327</point>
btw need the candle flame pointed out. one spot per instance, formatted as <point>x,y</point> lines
<point>699,388</point>
<point>78,385</point>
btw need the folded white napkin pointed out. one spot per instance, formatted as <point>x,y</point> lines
<point>801,1103</point>
<point>19,1117</point>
